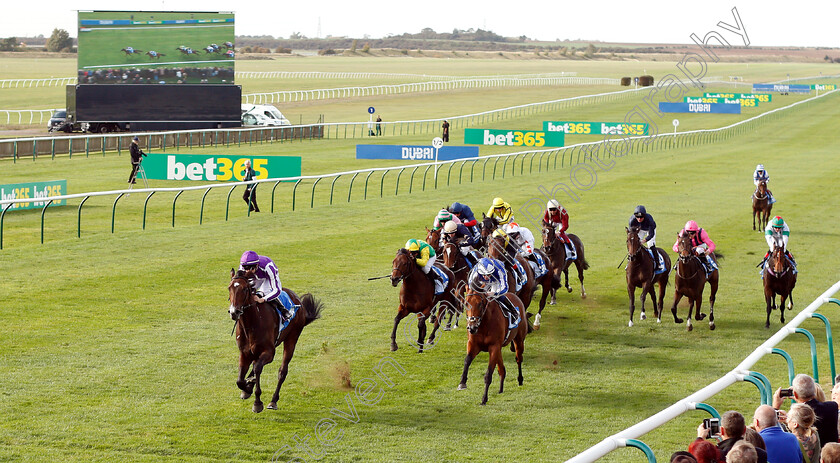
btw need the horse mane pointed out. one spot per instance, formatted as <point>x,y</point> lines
<point>403,251</point>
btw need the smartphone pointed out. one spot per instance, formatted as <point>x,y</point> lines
<point>786,393</point>
<point>713,425</point>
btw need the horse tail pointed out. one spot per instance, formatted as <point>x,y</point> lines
<point>312,307</point>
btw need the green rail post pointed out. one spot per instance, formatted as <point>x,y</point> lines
<point>201,213</point>
<point>87,146</point>
<point>425,174</point>
<point>332,188</point>
<point>759,384</point>
<point>789,361</point>
<point>767,385</point>
<point>350,190</point>
<point>813,352</point>
<point>643,447</point>
<point>145,207</point>
<point>449,172</point>
<point>14,152</point>
<point>272,195</point>
<point>227,203</point>
<point>382,182</point>
<point>366,183</point>
<point>411,181</point>
<point>312,196</point>
<point>483,168</point>
<point>830,341</point>
<point>522,165</point>
<point>472,168</point>
<point>707,408</point>
<point>173,207</point>
<point>460,171</point>
<point>44,211</point>
<point>79,222</point>
<point>495,163</point>
<point>2,217</point>
<point>397,188</point>
<point>52,148</point>
<point>114,211</point>
<point>294,192</point>
<point>504,167</point>
<point>539,167</point>
<point>531,164</point>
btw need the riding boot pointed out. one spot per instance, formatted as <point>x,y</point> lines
<point>657,265</point>
<point>792,260</point>
<point>434,278</point>
<point>770,196</point>
<point>508,307</point>
<point>282,310</point>
<point>763,261</point>
<point>571,253</point>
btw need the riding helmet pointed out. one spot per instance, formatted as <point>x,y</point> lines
<point>512,228</point>
<point>485,266</point>
<point>456,208</point>
<point>759,167</point>
<point>640,211</point>
<point>498,202</point>
<point>444,215</point>
<point>249,258</point>
<point>450,227</point>
<point>553,204</point>
<point>778,222</point>
<point>691,226</point>
<point>412,245</point>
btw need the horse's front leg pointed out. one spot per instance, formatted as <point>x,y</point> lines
<point>566,278</point>
<point>631,293</point>
<point>288,351</point>
<point>241,383</point>
<point>677,297</point>
<point>755,212</point>
<point>421,331</point>
<point>401,313</point>
<point>768,295</point>
<point>472,351</point>
<point>495,353</point>
<point>444,306</point>
<point>579,265</point>
<point>264,359</point>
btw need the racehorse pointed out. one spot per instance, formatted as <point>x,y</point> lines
<point>212,48</point>
<point>417,295</point>
<point>488,332</point>
<point>186,50</point>
<point>496,250</point>
<point>131,51</point>
<point>641,273</point>
<point>258,335</point>
<point>487,226</point>
<point>433,239</point>
<point>457,264</point>
<point>761,205</point>
<point>228,45</point>
<point>779,278</point>
<point>154,54</point>
<point>690,280</point>
<point>555,249</point>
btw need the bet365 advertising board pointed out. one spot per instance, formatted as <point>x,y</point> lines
<point>218,168</point>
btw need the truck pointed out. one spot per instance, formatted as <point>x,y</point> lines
<point>263,115</point>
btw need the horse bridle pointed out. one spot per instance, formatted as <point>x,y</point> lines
<point>240,309</point>
<point>548,246</point>
<point>458,251</point>
<point>631,257</point>
<point>404,275</point>
<point>477,320</point>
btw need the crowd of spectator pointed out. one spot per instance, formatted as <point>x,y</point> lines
<point>807,433</point>
<point>183,75</point>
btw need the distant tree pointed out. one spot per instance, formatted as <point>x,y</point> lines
<point>355,44</point>
<point>366,48</point>
<point>590,51</point>
<point>283,50</point>
<point>10,44</point>
<point>296,36</point>
<point>827,58</point>
<point>59,40</point>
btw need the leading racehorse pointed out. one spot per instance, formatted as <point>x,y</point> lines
<point>258,334</point>
<point>641,273</point>
<point>761,205</point>
<point>556,251</point>
<point>690,280</point>
<point>417,295</point>
<point>488,332</point>
<point>779,279</point>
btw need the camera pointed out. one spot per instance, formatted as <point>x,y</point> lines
<point>786,393</point>
<point>713,425</point>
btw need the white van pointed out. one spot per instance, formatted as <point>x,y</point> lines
<point>263,115</point>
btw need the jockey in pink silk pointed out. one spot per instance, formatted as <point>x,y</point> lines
<point>702,245</point>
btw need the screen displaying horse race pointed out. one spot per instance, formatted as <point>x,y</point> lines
<point>154,47</point>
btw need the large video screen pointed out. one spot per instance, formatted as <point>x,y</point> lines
<point>158,103</point>
<point>155,47</point>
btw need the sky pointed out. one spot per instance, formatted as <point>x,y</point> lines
<point>807,23</point>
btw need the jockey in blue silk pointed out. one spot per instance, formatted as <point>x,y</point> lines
<point>424,257</point>
<point>501,211</point>
<point>489,277</point>
<point>266,281</point>
<point>459,235</point>
<point>647,232</point>
<point>466,216</point>
<point>777,233</point>
<point>759,175</point>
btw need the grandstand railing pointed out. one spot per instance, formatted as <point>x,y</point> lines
<point>629,437</point>
<point>547,159</point>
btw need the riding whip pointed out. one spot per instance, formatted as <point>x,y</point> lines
<point>379,278</point>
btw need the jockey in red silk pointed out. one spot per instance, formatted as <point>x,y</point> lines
<point>557,217</point>
<point>266,281</point>
<point>700,241</point>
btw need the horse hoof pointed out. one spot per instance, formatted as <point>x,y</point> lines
<point>701,316</point>
<point>630,324</point>
<point>272,406</point>
<point>244,395</point>
<point>258,407</point>
<point>658,320</point>
<point>583,295</point>
<point>678,321</point>
<point>393,346</point>
<point>642,316</point>
<point>689,327</point>
<point>552,302</point>
<point>569,288</point>
<point>447,328</point>
<point>766,326</point>
<point>461,387</point>
<point>432,319</point>
<point>712,326</point>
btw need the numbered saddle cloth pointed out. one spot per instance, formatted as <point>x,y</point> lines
<point>660,265</point>
<point>538,267</point>
<point>290,306</point>
<point>443,283</point>
<point>709,265</point>
<point>571,250</point>
<point>520,276</point>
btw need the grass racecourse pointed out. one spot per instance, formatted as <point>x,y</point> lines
<point>117,347</point>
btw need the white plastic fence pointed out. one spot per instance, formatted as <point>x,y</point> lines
<point>27,116</point>
<point>371,75</point>
<point>30,83</point>
<point>737,374</point>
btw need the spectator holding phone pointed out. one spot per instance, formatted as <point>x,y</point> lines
<point>804,391</point>
<point>733,427</point>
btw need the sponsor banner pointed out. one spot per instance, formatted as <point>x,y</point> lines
<point>761,97</point>
<point>415,153</point>
<point>528,138</point>
<point>824,86</point>
<point>745,102</point>
<point>35,191</point>
<point>595,128</point>
<point>781,88</point>
<point>707,108</point>
<point>161,166</point>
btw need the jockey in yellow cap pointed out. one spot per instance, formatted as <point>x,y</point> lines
<point>424,257</point>
<point>501,211</point>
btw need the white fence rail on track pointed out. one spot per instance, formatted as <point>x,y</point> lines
<point>373,75</point>
<point>30,83</point>
<point>619,439</point>
<point>27,116</point>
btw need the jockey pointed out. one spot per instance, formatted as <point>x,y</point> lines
<point>266,282</point>
<point>647,231</point>
<point>557,217</point>
<point>700,241</point>
<point>489,277</point>
<point>777,231</point>
<point>465,214</point>
<point>522,238</point>
<point>510,251</point>
<point>442,217</point>
<point>459,235</point>
<point>760,175</point>
<point>424,256</point>
<point>501,211</point>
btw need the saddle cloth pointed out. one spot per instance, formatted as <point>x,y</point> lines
<point>660,265</point>
<point>538,267</point>
<point>443,283</point>
<point>520,276</point>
